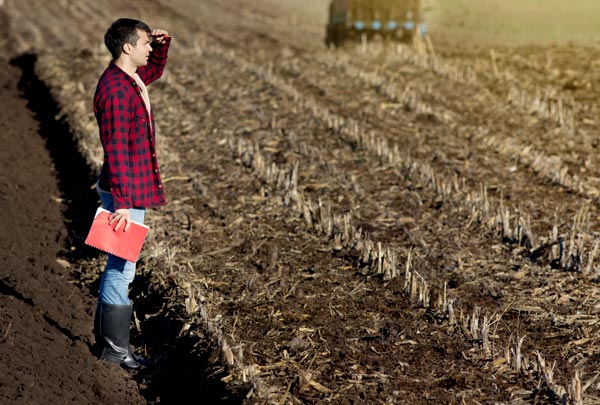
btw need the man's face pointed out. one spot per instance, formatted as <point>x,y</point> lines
<point>140,52</point>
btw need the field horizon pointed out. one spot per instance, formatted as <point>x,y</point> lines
<point>492,21</point>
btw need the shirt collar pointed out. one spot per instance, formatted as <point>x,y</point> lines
<point>117,70</point>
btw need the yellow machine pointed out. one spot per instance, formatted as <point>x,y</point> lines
<point>356,19</point>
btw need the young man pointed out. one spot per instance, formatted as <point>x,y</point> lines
<point>129,180</point>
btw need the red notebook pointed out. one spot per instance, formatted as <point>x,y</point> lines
<point>126,245</point>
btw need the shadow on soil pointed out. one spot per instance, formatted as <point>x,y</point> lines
<point>184,366</point>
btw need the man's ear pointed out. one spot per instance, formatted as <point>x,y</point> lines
<point>126,48</point>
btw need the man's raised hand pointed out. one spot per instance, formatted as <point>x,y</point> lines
<point>158,36</point>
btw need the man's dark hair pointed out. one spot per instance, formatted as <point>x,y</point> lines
<point>121,32</point>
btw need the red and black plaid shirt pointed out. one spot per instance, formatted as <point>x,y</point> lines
<point>130,169</point>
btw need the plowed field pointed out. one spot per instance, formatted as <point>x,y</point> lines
<point>383,223</point>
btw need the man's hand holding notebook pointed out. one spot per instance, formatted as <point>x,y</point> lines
<point>124,244</point>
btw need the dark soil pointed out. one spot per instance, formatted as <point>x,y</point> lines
<point>46,308</point>
<point>46,321</point>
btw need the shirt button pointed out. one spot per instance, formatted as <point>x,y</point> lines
<point>155,170</point>
<point>154,155</point>
<point>160,186</point>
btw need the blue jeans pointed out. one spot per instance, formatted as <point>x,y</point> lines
<point>118,273</point>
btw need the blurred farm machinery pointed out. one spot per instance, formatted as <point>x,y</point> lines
<point>365,20</point>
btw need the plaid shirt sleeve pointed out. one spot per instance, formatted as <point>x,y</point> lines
<point>114,135</point>
<point>156,63</point>
<point>130,169</point>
